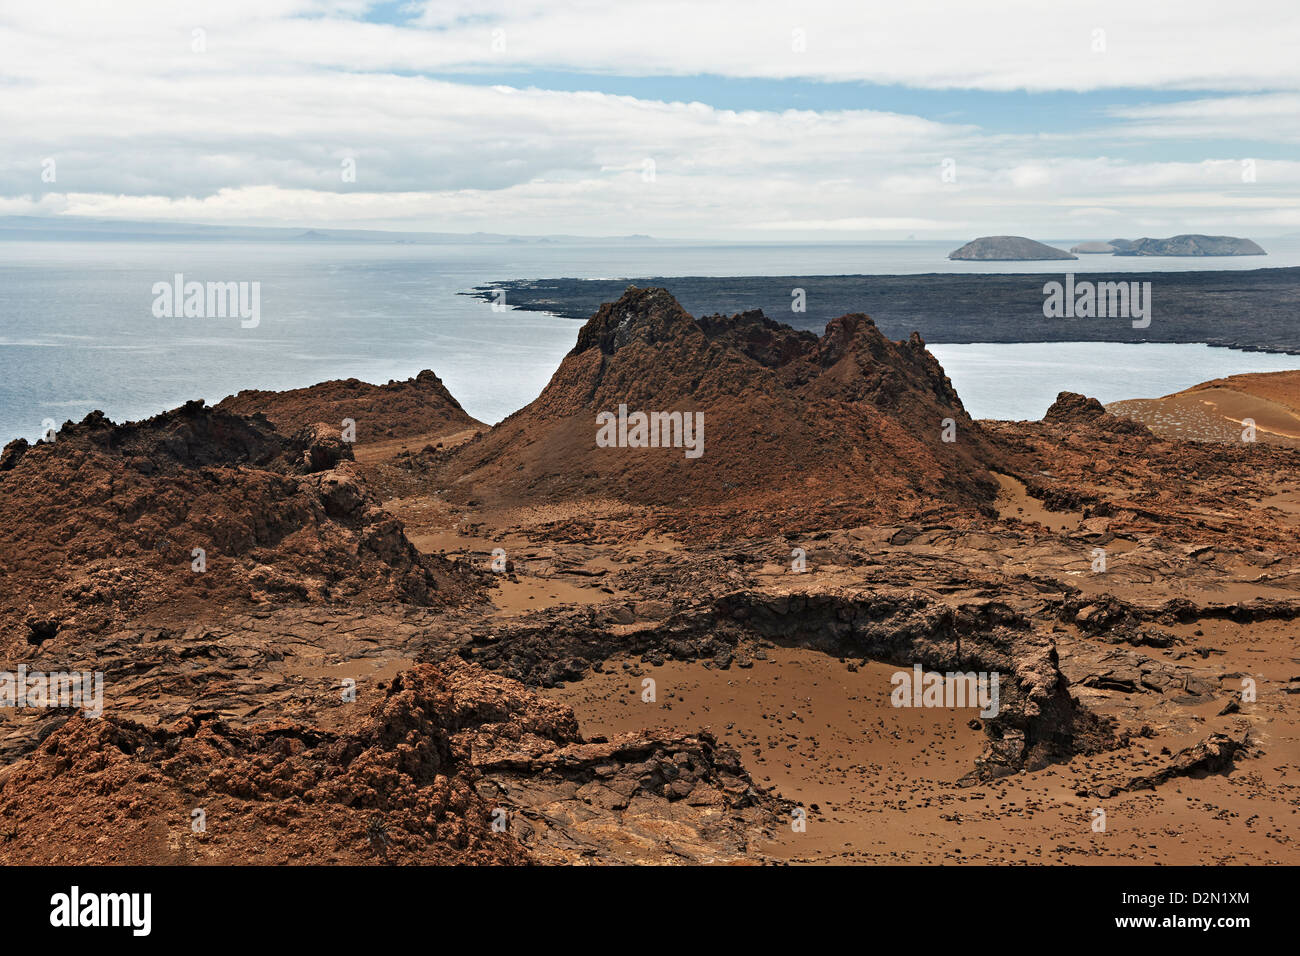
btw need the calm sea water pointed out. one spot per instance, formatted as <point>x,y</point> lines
<point>77,331</point>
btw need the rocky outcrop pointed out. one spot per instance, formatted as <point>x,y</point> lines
<point>1073,409</point>
<point>1038,722</point>
<point>1215,754</point>
<point>451,766</point>
<point>399,409</point>
<point>192,436</point>
<point>566,802</point>
<point>797,430</point>
<point>1188,492</point>
<point>192,508</point>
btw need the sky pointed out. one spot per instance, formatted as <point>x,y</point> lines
<point>752,120</point>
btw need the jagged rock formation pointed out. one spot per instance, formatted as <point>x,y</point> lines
<point>101,524</point>
<point>1071,408</point>
<point>451,766</point>
<point>1179,489</point>
<point>799,430</point>
<point>1008,249</point>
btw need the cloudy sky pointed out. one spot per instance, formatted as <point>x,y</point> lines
<point>739,120</point>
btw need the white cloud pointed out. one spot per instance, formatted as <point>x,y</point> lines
<point>254,123</point>
<point>998,45</point>
<point>1274,117</point>
<point>863,224</point>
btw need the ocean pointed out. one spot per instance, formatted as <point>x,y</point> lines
<point>78,329</point>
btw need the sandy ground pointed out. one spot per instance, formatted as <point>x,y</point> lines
<point>1217,410</point>
<point>880,783</point>
<point>1015,502</point>
<point>370,452</point>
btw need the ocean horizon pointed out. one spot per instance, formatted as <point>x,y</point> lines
<point>79,332</point>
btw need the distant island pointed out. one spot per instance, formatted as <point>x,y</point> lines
<point>1185,245</point>
<point>1008,249</point>
<point>1020,249</point>
<point>1188,245</point>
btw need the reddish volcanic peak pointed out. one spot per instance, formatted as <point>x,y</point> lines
<point>848,423</point>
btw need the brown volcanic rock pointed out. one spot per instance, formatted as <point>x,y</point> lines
<point>396,787</point>
<point>446,752</point>
<point>100,524</point>
<point>1038,723</point>
<point>1126,480</point>
<point>1071,408</point>
<point>800,431</point>
<point>192,436</point>
<point>1215,754</point>
<point>416,406</point>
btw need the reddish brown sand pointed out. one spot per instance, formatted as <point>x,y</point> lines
<point>880,783</point>
<point>1014,501</point>
<point>1216,411</point>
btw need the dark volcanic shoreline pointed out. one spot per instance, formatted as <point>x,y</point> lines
<point>1249,310</point>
